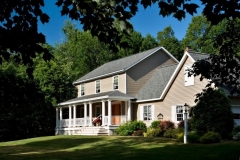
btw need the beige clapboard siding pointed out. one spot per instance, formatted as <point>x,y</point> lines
<point>106,84</point>
<point>138,75</point>
<point>178,94</point>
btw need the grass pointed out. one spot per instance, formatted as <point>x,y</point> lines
<point>117,148</point>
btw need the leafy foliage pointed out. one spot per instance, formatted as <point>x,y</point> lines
<point>129,127</point>
<point>193,137</point>
<point>138,133</point>
<point>173,133</point>
<point>155,124</point>
<point>166,125</point>
<point>152,132</point>
<point>167,39</point>
<point>213,113</point>
<point>24,111</point>
<point>210,137</point>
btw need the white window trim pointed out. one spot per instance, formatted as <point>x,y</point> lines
<point>188,81</point>
<point>113,82</point>
<point>99,86</point>
<point>142,110</point>
<point>81,89</point>
<point>174,113</point>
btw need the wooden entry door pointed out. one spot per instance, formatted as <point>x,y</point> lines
<point>116,114</point>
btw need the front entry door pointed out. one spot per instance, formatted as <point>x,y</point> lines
<point>116,114</point>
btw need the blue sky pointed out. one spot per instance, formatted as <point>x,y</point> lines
<point>146,21</point>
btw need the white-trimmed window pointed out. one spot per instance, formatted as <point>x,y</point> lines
<point>179,113</point>
<point>115,82</point>
<point>188,81</point>
<point>147,113</point>
<point>97,86</point>
<point>82,89</point>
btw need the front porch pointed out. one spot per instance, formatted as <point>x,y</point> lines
<point>74,117</point>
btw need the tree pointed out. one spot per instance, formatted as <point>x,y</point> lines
<point>196,35</point>
<point>83,51</point>
<point>19,23</point>
<point>24,111</point>
<point>213,113</point>
<point>148,43</point>
<point>167,39</point>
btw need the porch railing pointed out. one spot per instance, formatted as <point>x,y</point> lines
<point>116,120</point>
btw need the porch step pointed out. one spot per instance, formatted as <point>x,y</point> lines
<point>92,131</point>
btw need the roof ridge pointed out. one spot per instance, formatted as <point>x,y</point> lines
<point>132,55</point>
<point>194,52</point>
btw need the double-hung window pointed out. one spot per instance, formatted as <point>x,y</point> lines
<point>179,113</point>
<point>82,89</point>
<point>115,82</point>
<point>147,112</point>
<point>97,86</point>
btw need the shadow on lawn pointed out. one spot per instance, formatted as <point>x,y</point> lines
<point>116,148</point>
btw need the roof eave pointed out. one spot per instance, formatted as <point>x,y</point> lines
<point>105,75</point>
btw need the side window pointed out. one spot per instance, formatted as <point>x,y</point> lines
<point>179,113</point>
<point>98,86</point>
<point>147,113</point>
<point>82,89</point>
<point>188,81</point>
<point>115,82</point>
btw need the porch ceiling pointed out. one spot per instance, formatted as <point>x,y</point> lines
<point>98,96</point>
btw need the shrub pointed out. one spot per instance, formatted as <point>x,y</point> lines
<point>181,124</point>
<point>213,113</point>
<point>155,124</point>
<point>138,133</point>
<point>193,137</point>
<point>166,125</point>
<point>152,132</point>
<point>169,133</point>
<point>129,127</point>
<point>210,137</point>
<point>236,137</point>
<point>180,137</point>
<point>172,133</point>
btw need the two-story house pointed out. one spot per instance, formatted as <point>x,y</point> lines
<point>147,86</point>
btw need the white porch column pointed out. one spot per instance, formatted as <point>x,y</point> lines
<point>85,114</point>
<point>70,116</point>
<point>109,112</point>
<point>126,110</point>
<point>60,118</point>
<point>90,114</point>
<point>103,113</point>
<point>74,115</point>
<point>57,116</point>
<point>129,110</point>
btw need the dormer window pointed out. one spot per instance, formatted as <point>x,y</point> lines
<point>82,89</point>
<point>115,82</point>
<point>98,86</point>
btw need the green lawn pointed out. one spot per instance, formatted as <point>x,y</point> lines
<point>113,147</point>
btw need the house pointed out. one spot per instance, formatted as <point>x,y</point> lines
<point>147,86</point>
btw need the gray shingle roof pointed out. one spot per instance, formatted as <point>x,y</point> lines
<point>116,66</point>
<point>197,55</point>
<point>157,83</point>
<point>110,94</point>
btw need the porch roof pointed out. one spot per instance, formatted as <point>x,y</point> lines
<point>98,96</point>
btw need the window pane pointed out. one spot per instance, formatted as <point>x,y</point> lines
<point>179,117</point>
